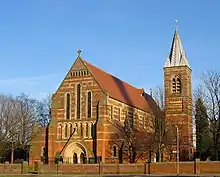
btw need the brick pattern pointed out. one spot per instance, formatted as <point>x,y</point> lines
<point>179,105</point>
<point>108,108</point>
<point>153,168</point>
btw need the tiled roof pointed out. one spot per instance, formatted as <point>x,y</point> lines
<point>177,56</point>
<point>122,91</point>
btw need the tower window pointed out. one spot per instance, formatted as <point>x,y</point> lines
<point>67,106</point>
<point>89,105</point>
<point>176,85</point>
<point>78,102</point>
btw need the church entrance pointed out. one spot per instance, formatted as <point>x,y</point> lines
<point>75,153</point>
<point>75,159</point>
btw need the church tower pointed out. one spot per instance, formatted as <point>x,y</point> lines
<point>178,95</point>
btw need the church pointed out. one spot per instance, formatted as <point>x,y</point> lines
<point>88,99</point>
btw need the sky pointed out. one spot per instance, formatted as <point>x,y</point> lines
<point>130,39</point>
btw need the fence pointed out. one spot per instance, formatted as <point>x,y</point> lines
<point>149,168</point>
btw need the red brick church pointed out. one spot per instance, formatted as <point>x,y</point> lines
<point>89,97</point>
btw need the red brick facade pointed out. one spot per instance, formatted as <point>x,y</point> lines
<point>89,98</point>
<point>93,134</point>
<point>179,106</point>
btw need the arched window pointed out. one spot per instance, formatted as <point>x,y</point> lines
<point>67,106</point>
<point>81,130</point>
<point>114,151</point>
<point>87,130</point>
<point>71,129</point>
<point>176,85</point>
<point>78,101</point>
<point>92,129</point>
<point>66,131</point>
<point>59,132</point>
<point>89,105</point>
<point>76,128</point>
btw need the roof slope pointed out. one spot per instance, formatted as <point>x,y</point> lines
<point>123,91</point>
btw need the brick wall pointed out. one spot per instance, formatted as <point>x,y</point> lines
<point>154,168</point>
<point>11,168</point>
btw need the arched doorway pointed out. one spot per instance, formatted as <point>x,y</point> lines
<point>75,153</point>
<point>82,158</point>
<point>75,159</point>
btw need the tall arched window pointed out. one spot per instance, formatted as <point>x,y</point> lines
<point>78,101</point>
<point>92,129</point>
<point>81,130</point>
<point>59,132</point>
<point>67,106</point>
<point>176,85</point>
<point>87,130</point>
<point>114,151</point>
<point>71,129</point>
<point>89,105</point>
<point>66,131</point>
<point>76,128</point>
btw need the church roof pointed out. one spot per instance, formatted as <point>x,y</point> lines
<point>177,56</point>
<point>122,91</point>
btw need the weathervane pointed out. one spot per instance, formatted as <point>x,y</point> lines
<point>176,23</point>
<point>79,52</point>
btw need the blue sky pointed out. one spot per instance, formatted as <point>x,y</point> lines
<point>127,38</point>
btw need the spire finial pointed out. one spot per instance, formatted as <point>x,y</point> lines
<point>176,21</point>
<point>79,52</point>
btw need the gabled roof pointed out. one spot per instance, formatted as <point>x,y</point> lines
<point>177,56</point>
<point>122,91</point>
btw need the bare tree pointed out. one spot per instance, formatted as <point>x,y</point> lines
<point>26,114</point>
<point>158,96</point>
<point>209,91</point>
<point>133,143</point>
<point>8,122</point>
<point>17,118</point>
<point>44,111</point>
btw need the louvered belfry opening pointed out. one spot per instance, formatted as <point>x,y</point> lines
<point>176,85</point>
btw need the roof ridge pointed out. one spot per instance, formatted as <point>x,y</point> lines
<point>111,75</point>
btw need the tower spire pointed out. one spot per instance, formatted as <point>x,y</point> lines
<point>177,56</point>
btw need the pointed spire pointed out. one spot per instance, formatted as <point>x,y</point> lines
<point>177,55</point>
